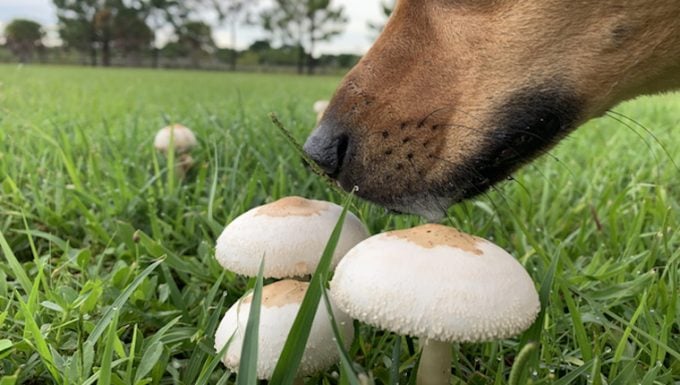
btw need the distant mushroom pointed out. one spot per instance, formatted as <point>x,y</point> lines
<point>290,234</point>
<point>320,107</point>
<point>183,141</point>
<point>438,284</point>
<point>280,304</point>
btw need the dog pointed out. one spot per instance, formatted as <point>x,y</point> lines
<point>455,95</point>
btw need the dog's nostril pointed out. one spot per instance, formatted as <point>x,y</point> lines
<point>328,151</point>
<point>343,145</point>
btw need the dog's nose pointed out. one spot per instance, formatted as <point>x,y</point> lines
<point>328,148</point>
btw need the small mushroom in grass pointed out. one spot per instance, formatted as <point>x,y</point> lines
<point>280,304</point>
<point>183,141</point>
<point>438,284</point>
<point>290,234</point>
<point>320,107</point>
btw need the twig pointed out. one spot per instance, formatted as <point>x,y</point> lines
<point>312,164</point>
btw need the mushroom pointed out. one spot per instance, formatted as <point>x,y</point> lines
<point>280,304</point>
<point>320,107</point>
<point>290,234</point>
<point>438,284</point>
<point>183,140</point>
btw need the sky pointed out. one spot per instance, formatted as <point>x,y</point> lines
<point>356,38</point>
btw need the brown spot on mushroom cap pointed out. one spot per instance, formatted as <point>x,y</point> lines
<point>292,206</point>
<point>281,293</point>
<point>432,235</point>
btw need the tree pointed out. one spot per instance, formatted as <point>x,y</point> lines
<point>93,25</point>
<point>103,30</point>
<point>131,36</point>
<point>232,12</point>
<point>260,46</point>
<point>23,37</point>
<point>304,23</point>
<point>158,14</point>
<point>196,37</point>
<point>174,50</point>
<point>86,26</point>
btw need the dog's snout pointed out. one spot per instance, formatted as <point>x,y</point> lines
<point>328,149</point>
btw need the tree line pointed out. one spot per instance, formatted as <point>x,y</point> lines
<point>126,30</point>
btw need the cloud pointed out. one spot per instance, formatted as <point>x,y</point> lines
<point>42,11</point>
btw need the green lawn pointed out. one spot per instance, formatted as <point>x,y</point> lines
<point>87,208</point>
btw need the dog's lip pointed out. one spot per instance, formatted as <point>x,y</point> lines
<point>344,180</point>
<point>425,205</point>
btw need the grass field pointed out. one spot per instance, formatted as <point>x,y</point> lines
<point>87,210</point>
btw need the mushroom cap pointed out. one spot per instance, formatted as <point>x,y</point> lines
<point>280,304</point>
<point>184,139</point>
<point>435,282</point>
<point>290,233</point>
<point>320,106</point>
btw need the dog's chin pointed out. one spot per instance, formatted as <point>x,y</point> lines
<point>433,209</point>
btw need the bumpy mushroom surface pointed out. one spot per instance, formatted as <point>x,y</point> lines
<point>280,304</point>
<point>184,139</point>
<point>290,234</point>
<point>437,283</point>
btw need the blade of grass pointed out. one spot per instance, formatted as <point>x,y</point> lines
<point>122,298</point>
<point>519,368</point>
<point>40,343</point>
<point>171,162</point>
<point>131,355</point>
<point>574,374</point>
<point>247,369</point>
<point>345,361</point>
<point>579,329</point>
<point>651,376</point>
<point>212,364</point>
<point>291,356</point>
<point>107,356</point>
<point>150,358</point>
<point>5,344</point>
<point>18,271</point>
<point>623,342</point>
<point>213,187</point>
<point>396,354</point>
<point>312,164</point>
<point>534,332</point>
<point>199,355</point>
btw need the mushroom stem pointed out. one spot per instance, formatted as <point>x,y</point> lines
<point>435,364</point>
<point>182,165</point>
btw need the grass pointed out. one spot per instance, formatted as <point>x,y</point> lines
<point>108,275</point>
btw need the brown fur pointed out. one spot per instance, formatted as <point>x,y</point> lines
<point>426,97</point>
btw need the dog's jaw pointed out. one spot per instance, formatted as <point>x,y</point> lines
<point>453,98</point>
<point>526,125</point>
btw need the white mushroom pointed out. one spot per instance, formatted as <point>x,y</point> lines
<point>280,304</point>
<point>438,284</point>
<point>183,140</point>
<point>290,234</point>
<point>182,137</point>
<point>319,108</point>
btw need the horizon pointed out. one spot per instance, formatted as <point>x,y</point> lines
<point>356,37</point>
